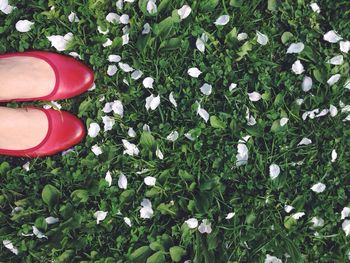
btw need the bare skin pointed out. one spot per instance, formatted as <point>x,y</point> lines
<point>21,128</point>
<point>25,77</point>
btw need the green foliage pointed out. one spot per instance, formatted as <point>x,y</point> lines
<point>198,177</point>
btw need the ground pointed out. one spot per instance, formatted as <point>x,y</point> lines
<point>251,167</point>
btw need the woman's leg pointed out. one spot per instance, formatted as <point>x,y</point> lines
<point>25,77</point>
<point>21,128</point>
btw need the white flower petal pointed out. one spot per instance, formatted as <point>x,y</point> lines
<point>108,123</point>
<point>125,67</point>
<point>107,43</point>
<point>184,11</point>
<point>100,216</point>
<point>333,110</point>
<point>230,215</point>
<point>272,259</point>
<point>152,102</point>
<point>130,148</point>
<point>205,227</point>
<point>73,17</point>
<point>136,74</point>
<point>307,84</point>
<point>344,46</point>
<point>232,86</point>
<point>295,48</point>
<point>151,7</point>
<point>242,36</point>
<point>283,121</point>
<point>148,83</point>
<point>124,19</point>
<point>114,58</point>
<point>125,39</point>
<point>150,181</point>
<point>117,107</point>
<point>146,211</point>
<point>274,171</point>
<point>317,222</point>
<point>99,29</point>
<point>113,18</point>
<point>96,150</point>
<point>74,55</point>
<point>261,38</point>
<point>288,208</point>
<point>122,181</point>
<point>334,155</point>
<point>94,129</point>
<point>127,221</point>
<point>337,60</point>
<point>159,154</point>
<point>298,215</point>
<point>206,89</point>
<point>172,99</point>
<point>222,20</point>
<point>131,132</point>
<point>146,29</point>
<point>318,188</point>
<point>192,223</point>
<point>332,37</point>
<point>8,244</point>
<point>108,178</point>
<point>345,213</point>
<point>333,79</point>
<point>23,26</point>
<point>346,227</point>
<point>203,113</point>
<point>60,42</point>
<point>201,41</point>
<point>38,233</point>
<point>51,220</point>
<point>305,141</point>
<point>173,136</point>
<point>26,166</point>
<point>112,69</point>
<point>315,7</point>
<point>242,154</point>
<point>297,67</point>
<point>194,72</point>
<point>254,96</point>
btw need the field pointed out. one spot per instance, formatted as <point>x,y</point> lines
<point>218,131</point>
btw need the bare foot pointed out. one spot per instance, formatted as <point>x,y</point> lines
<point>22,129</point>
<point>25,77</point>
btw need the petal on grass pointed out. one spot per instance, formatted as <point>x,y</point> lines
<point>332,37</point>
<point>274,171</point>
<point>194,72</point>
<point>24,26</point>
<point>262,39</point>
<point>108,178</point>
<point>295,48</point>
<point>94,129</point>
<point>150,181</point>
<point>192,223</point>
<point>100,216</point>
<point>318,188</point>
<point>122,181</point>
<point>222,20</point>
<point>184,12</point>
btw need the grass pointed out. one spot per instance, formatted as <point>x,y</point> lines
<point>195,179</point>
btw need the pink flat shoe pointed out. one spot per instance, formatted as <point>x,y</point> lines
<point>64,131</point>
<point>72,76</point>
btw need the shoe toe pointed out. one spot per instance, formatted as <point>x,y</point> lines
<point>65,131</point>
<point>74,78</point>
